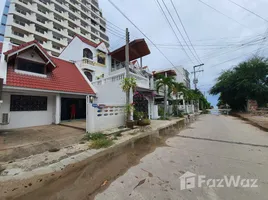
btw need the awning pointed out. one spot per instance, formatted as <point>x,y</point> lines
<point>163,72</point>
<point>137,49</point>
<point>140,89</point>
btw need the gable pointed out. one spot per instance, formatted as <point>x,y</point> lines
<point>102,47</point>
<point>32,55</point>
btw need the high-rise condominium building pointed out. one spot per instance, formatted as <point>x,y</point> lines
<point>52,22</point>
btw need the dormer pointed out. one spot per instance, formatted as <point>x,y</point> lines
<point>30,59</point>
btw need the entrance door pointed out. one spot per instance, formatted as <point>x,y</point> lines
<point>141,104</point>
<point>80,107</point>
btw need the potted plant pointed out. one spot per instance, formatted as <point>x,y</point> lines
<point>129,109</point>
<point>138,116</point>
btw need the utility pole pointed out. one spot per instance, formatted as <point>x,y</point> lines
<point>127,69</point>
<point>195,72</point>
<point>127,53</point>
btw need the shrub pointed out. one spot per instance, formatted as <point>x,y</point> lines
<point>160,111</point>
<point>101,143</point>
<point>145,122</point>
<point>94,136</point>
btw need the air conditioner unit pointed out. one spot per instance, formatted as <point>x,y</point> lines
<point>5,119</point>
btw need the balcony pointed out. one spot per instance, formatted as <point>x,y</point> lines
<point>142,82</point>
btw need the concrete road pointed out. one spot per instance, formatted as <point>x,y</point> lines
<point>214,146</point>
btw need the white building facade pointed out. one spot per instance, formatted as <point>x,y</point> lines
<point>53,23</point>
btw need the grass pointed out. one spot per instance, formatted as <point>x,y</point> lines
<point>101,143</point>
<point>94,136</point>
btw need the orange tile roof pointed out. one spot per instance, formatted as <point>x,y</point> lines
<point>65,77</point>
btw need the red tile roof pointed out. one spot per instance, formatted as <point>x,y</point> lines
<point>65,77</point>
<point>87,41</point>
<point>17,48</point>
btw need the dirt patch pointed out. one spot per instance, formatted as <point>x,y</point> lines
<point>20,143</point>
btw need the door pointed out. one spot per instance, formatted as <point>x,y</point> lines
<point>80,108</point>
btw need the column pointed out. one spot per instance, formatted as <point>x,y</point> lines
<point>90,118</point>
<point>57,109</point>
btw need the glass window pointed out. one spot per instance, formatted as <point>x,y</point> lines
<point>101,59</point>
<point>87,54</point>
<point>28,103</point>
<point>88,75</point>
<point>29,66</point>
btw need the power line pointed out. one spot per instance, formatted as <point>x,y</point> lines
<point>221,13</point>
<point>141,32</point>
<point>119,36</point>
<point>235,58</point>
<point>248,10</point>
<point>173,30</point>
<point>178,29</point>
<point>185,30</point>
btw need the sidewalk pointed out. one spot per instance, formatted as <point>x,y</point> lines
<point>256,120</point>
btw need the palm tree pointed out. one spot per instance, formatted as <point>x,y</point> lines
<point>165,83</point>
<point>177,90</point>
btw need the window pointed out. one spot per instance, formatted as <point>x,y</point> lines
<point>88,75</point>
<point>29,66</point>
<point>101,59</point>
<point>28,103</point>
<point>87,54</point>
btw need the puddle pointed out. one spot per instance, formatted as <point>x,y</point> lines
<point>92,177</point>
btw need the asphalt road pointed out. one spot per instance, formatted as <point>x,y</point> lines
<point>214,147</point>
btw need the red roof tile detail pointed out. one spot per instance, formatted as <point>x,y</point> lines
<point>66,78</point>
<point>87,41</point>
<point>17,48</point>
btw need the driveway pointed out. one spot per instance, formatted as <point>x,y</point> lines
<point>216,147</point>
<point>19,143</point>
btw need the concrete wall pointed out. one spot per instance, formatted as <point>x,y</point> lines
<point>19,119</point>
<point>99,119</point>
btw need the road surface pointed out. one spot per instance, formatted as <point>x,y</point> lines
<point>215,147</point>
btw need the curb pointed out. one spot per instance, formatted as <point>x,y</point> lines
<point>251,122</point>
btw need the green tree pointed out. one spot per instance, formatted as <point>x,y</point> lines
<point>164,83</point>
<point>127,85</point>
<point>248,80</point>
<point>177,90</point>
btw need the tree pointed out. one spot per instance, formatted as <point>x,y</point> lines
<point>165,83</point>
<point>128,84</point>
<point>177,90</point>
<point>248,80</point>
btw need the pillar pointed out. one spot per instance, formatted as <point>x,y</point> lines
<point>57,109</point>
<point>90,117</point>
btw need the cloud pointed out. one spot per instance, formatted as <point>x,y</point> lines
<point>204,26</point>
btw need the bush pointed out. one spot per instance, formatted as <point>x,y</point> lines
<point>101,143</point>
<point>160,111</point>
<point>145,122</point>
<point>94,136</point>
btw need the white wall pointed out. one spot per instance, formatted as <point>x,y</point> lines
<point>74,52</point>
<point>112,116</point>
<point>110,93</point>
<point>3,64</point>
<point>20,119</point>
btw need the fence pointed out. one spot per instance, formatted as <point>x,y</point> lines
<point>101,117</point>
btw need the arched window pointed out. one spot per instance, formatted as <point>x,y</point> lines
<point>87,53</point>
<point>88,75</point>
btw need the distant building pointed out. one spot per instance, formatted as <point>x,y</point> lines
<point>53,23</point>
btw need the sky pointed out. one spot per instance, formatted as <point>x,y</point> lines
<point>221,40</point>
